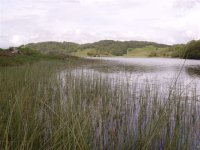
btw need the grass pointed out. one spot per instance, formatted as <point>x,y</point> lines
<point>16,60</point>
<point>84,53</point>
<point>22,59</point>
<point>42,107</point>
<point>148,51</point>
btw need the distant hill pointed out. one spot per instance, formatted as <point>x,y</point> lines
<point>105,47</point>
<point>48,47</point>
<point>119,48</point>
<point>191,50</point>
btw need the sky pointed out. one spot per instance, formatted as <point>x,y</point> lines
<point>85,21</point>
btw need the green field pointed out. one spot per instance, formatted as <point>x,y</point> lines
<point>148,51</point>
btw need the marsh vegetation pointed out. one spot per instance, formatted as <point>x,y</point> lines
<point>65,105</point>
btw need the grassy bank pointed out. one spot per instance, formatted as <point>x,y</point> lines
<point>43,108</point>
<point>30,56</point>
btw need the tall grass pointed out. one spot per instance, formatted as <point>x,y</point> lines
<point>41,108</point>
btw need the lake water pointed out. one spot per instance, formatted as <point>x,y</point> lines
<point>162,74</point>
<point>164,67</point>
<point>160,71</point>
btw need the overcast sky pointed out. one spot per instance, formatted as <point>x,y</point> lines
<point>81,21</point>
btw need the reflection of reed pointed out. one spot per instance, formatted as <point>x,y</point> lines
<point>193,71</point>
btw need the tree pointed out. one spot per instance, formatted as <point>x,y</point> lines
<point>193,50</point>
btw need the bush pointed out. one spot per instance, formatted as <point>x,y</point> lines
<point>92,54</point>
<point>29,51</point>
<point>177,51</point>
<point>193,50</point>
<point>153,54</point>
<point>119,52</point>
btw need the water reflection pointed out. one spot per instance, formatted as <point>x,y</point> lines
<point>193,71</point>
<point>158,68</point>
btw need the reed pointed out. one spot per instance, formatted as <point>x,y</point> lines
<point>42,107</point>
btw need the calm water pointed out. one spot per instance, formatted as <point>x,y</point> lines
<point>160,73</point>
<point>157,69</point>
<point>161,67</point>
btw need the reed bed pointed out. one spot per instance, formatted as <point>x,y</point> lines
<point>43,108</point>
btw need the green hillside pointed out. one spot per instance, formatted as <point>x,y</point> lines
<point>105,47</point>
<point>148,51</point>
<point>48,47</point>
<point>119,48</point>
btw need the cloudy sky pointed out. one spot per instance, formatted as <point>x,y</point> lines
<point>81,21</point>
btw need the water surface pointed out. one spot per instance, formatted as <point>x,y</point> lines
<point>156,70</point>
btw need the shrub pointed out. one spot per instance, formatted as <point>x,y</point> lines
<point>153,54</point>
<point>29,51</point>
<point>193,50</point>
<point>92,54</point>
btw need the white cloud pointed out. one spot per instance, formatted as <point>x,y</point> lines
<point>171,21</point>
<point>16,40</point>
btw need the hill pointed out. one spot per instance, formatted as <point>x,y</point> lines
<point>105,47</point>
<point>191,50</point>
<point>49,47</point>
